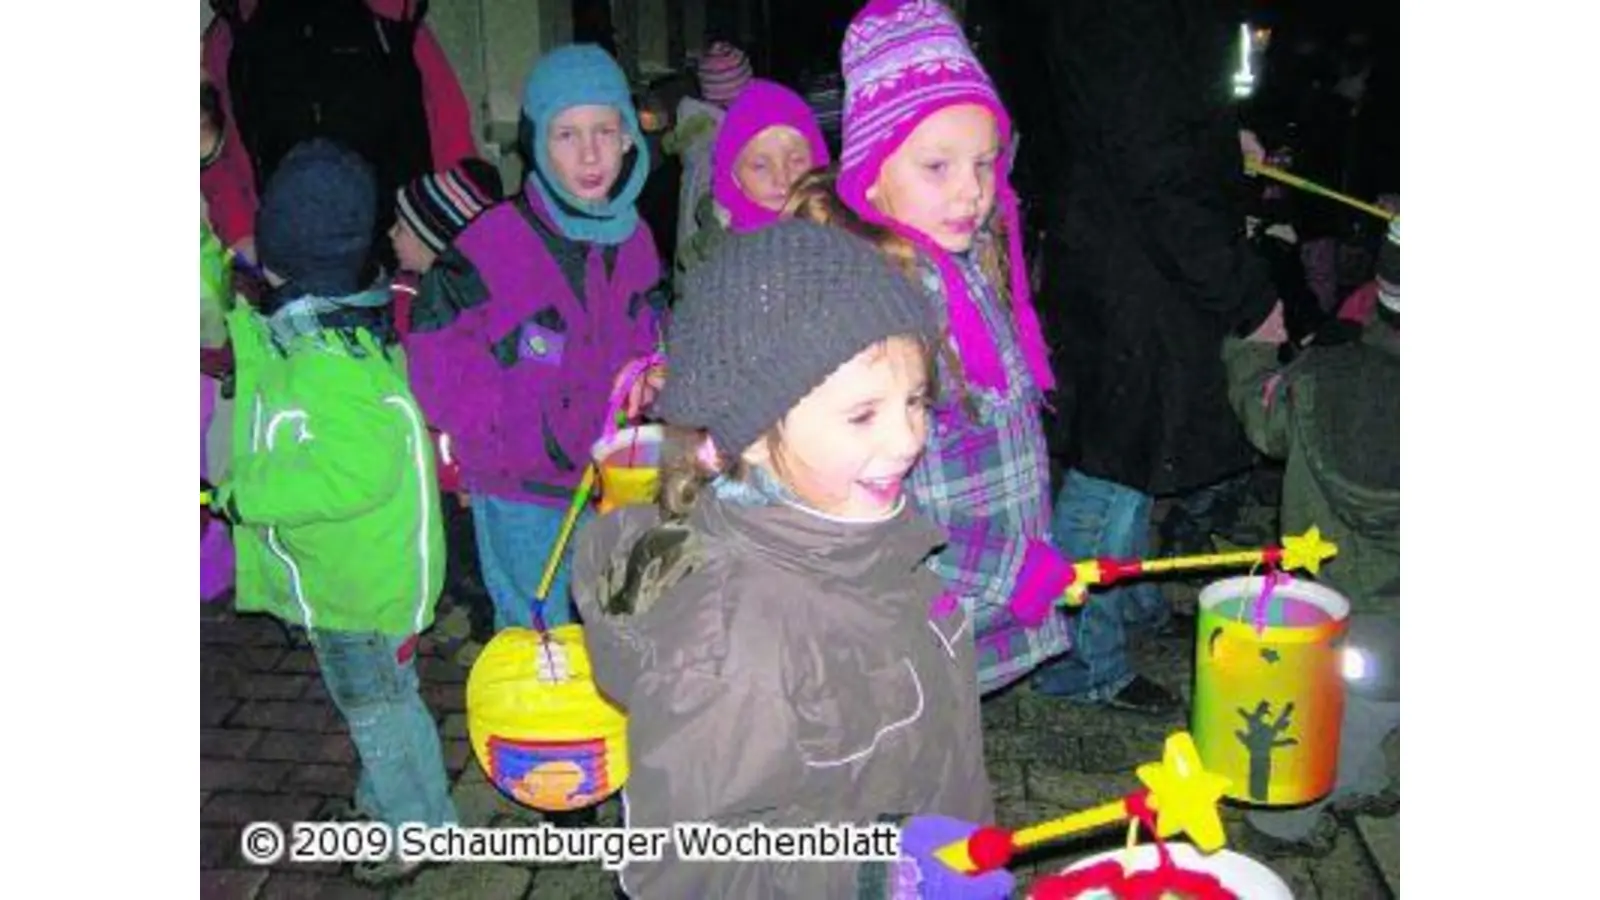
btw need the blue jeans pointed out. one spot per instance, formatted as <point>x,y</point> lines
<point>514,540</point>
<point>402,766</point>
<point>1095,518</point>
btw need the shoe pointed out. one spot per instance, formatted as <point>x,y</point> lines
<point>1381,805</point>
<point>393,870</point>
<point>1317,843</point>
<point>1141,695</point>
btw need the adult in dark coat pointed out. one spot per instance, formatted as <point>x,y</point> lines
<point>1149,270</point>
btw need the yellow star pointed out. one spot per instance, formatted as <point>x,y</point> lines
<point>1184,795</point>
<point>1307,551</point>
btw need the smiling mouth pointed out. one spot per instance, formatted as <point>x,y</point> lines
<point>883,490</point>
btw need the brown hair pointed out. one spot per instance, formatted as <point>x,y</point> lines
<point>815,199</point>
<point>684,475</point>
<point>994,259</point>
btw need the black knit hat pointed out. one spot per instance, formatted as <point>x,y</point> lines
<point>317,218</point>
<point>438,206</point>
<point>769,317</point>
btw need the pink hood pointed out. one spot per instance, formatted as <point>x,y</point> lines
<point>761,105</point>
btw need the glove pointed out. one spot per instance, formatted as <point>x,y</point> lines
<point>919,875</point>
<point>1045,576</point>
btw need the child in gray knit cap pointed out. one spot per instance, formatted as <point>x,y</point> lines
<point>785,657</point>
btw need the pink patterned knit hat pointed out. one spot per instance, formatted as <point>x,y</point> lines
<point>723,72</point>
<point>762,105</point>
<point>904,60</point>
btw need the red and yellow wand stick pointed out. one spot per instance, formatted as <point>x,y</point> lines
<point>1298,552</point>
<point>1179,794</point>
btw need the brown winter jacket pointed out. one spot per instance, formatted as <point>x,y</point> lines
<point>790,673</point>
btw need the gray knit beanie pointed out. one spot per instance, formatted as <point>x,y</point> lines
<point>769,317</point>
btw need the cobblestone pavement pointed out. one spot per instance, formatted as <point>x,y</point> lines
<point>273,747</point>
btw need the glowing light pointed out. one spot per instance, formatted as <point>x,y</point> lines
<point>1244,80</point>
<point>1354,664</point>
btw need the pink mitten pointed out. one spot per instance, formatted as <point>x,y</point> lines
<point>1045,576</point>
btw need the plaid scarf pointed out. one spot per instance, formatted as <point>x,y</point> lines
<point>310,315</point>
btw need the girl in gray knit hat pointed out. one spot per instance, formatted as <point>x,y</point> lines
<point>785,657</point>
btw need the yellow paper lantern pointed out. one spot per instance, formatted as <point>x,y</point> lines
<point>540,728</point>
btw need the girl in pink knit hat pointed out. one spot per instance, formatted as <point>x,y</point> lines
<point>769,140</point>
<point>925,155</point>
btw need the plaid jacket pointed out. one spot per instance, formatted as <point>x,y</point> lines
<point>987,483</point>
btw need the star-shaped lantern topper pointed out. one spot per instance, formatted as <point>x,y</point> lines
<point>1184,795</point>
<point>1307,551</point>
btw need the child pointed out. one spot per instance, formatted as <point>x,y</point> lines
<point>227,193</point>
<point>432,210</point>
<point>429,213</point>
<point>768,141</point>
<point>330,496</point>
<point>785,657</point>
<point>1362,304</point>
<point>723,72</point>
<point>530,313</point>
<point>216,410</point>
<point>921,145</point>
<point>1334,415</point>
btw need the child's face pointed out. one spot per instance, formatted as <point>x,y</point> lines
<point>770,164</point>
<point>940,180</point>
<point>846,448</point>
<point>412,253</point>
<point>585,145</point>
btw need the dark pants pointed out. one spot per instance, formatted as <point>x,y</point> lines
<point>463,580</point>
